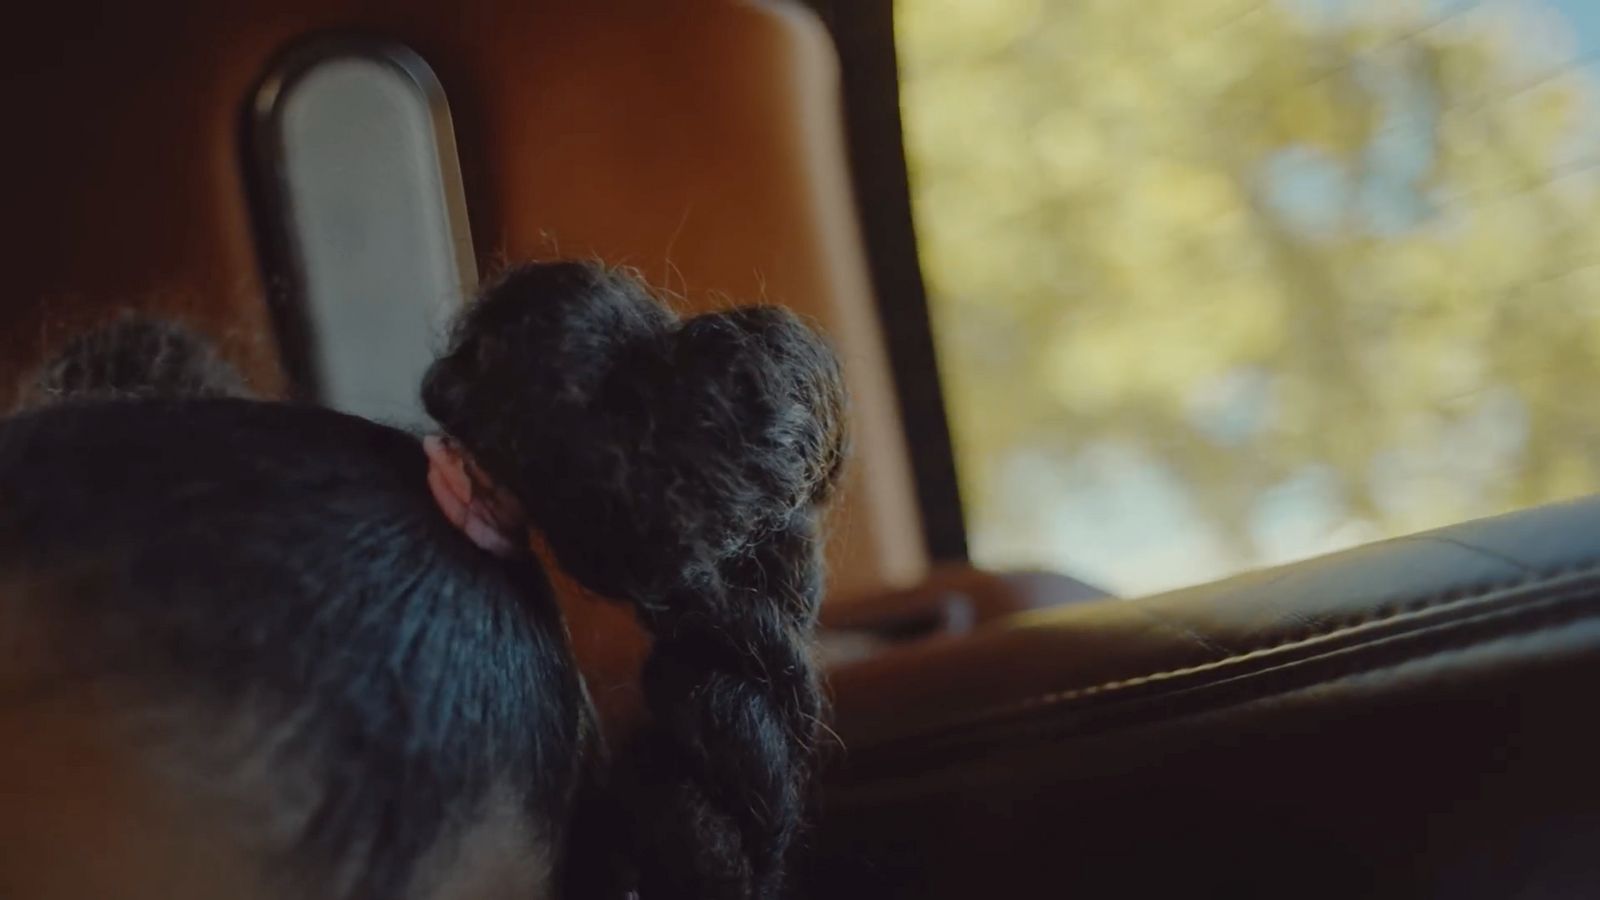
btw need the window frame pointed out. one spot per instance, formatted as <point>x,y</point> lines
<point>864,38</point>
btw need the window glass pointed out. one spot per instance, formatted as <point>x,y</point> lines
<point>1223,283</point>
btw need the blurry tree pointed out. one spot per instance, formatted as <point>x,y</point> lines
<point>1248,240</point>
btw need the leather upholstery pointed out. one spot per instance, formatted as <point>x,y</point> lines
<point>698,140</point>
<point>1410,718</point>
<point>953,600</point>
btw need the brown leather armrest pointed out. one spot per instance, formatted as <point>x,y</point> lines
<point>1406,719</point>
<point>958,595</point>
<point>953,601</point>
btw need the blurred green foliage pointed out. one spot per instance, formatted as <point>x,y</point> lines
<point>1243,241</point>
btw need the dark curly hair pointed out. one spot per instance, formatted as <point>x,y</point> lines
<point>133,357</point>
<point>290,561</point>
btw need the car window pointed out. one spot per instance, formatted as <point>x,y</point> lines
<point>1223,283</point>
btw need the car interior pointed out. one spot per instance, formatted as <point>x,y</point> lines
<point>316,185</point>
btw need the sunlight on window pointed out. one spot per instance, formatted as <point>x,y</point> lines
<point>1224,283</point>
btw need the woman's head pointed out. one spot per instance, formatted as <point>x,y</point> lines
<point>268,607</point>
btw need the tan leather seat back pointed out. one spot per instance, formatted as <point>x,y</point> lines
<point>697,140</point>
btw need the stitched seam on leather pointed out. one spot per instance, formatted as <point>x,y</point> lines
<point>1544,624</point>
<point>1379,616</point>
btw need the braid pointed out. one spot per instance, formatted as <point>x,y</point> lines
<point>735,703</point>
<point>681,466</point>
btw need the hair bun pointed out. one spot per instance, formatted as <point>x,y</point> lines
<point>134,357</point>
<point>646,448</point>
